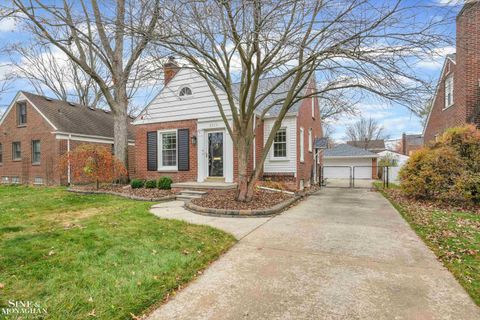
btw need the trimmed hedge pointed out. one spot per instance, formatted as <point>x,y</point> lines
<point>137,183</point>
<point>165,183</point>
<point>151,184</point>
<point>447,170</point>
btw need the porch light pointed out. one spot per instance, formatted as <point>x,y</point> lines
<point>194,140</point>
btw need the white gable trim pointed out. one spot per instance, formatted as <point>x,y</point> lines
<point>20,97</point>
<point>436,91</point>
<point>86,138</point>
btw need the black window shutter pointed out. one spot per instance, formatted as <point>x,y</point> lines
<point>152,153</point>
<point>183,150</point>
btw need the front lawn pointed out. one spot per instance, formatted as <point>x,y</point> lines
<point>95,256</point>
<point>452,233</point>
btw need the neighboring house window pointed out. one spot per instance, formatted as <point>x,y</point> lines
<point>302,145</point>
<point>15,180</point>
<point>21,113</point>
<point>16,151</point>
<point>280,144</point>
<point>310,142</point>
<point>1,153</point>
<point>313,107</point>
<point>449,91</point>
<point>36,151</point>
<point>38,181</point>
<point>185,91</point>
<point>168,150</point>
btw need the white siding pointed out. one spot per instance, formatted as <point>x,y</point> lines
<point>393,171</point>
<point>289,164</point>
<point>168,106</point>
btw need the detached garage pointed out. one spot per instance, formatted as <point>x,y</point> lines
<point>345,161</point>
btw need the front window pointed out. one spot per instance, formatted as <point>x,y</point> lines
<point>168,150</point>
<point>16,151</point>
<point>449,91</point>
<point>36,151</point>
<point>21,113</point>
<point>280,144</point>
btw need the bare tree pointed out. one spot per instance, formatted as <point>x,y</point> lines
<point>117,32</point>
<point>46,69</point>
<point>365,130</point>
<point>343,45</point>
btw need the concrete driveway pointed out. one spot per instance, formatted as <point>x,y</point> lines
<point>340,254</point>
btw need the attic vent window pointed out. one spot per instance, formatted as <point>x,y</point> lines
<point>48,99</point>
<point>72,104</point>
<point>185,91</point>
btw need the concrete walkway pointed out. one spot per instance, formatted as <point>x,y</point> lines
<point>340,254</point>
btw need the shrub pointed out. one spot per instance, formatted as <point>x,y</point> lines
<point>137,183</point>
<point>165,183</point>
<point>448,169</point>
<point>150,184</point>
<point>92,164</point>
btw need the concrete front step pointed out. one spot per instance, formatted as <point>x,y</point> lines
<point>193,192</point>
<point>186,197</point>
<point>204,185</point>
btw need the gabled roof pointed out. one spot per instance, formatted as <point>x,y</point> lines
<point>73,118</point>
<point>346,150</point>
<point>280,93</point>
<point>377,145</point>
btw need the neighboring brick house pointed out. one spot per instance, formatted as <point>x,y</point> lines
<point>457,98</point>
<point>35,130</point>
<point>410,143</point>
<point>181,134</point>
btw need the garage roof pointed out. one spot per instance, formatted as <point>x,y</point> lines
<point>346,150</point>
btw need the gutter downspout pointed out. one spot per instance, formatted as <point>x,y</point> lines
<point>68,151</point>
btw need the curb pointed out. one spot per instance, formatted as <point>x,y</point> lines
<point>232,213</point>
<point>132,197</point>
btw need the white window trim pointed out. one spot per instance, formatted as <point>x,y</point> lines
<point>302,145</point>
<point>313,107</point>
<point>447,79</point>
<point>272,152</point>
<point>310,141</point>
<point>159,151</point>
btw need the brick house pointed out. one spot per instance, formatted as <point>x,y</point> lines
<point>35,130</point>
<point>181,134</point>
<point>457,97</point>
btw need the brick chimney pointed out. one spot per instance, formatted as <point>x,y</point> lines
<point>170,69</point>
<point>467,75</point>
<point>404,143</point>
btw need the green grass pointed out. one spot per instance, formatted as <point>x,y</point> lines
<point>453,235</point>
<point>85,255</point>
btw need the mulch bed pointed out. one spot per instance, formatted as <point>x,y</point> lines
<point>127,190</point>
<point>226,200</point>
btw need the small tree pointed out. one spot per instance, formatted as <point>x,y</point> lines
<point>92,164</point>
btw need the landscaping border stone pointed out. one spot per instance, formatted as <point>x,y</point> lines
<point>233,213</point>
<point>128,196</point>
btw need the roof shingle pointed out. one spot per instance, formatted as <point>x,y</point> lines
<point>75,118</point>
<point>346,150</point>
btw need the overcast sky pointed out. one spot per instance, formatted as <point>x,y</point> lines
<point>396,119</point>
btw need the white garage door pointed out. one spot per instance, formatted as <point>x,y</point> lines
<point>340,168</point>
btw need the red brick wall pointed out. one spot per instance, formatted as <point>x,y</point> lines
<point>35,129</point>
<point>466,74</point>
<point>440,118</point>
<point>306,121</point>
<point>141,151</point>
<point>468,59</point>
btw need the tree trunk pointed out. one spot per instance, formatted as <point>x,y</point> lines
<point>243,153</point>
<point>120,131</point>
